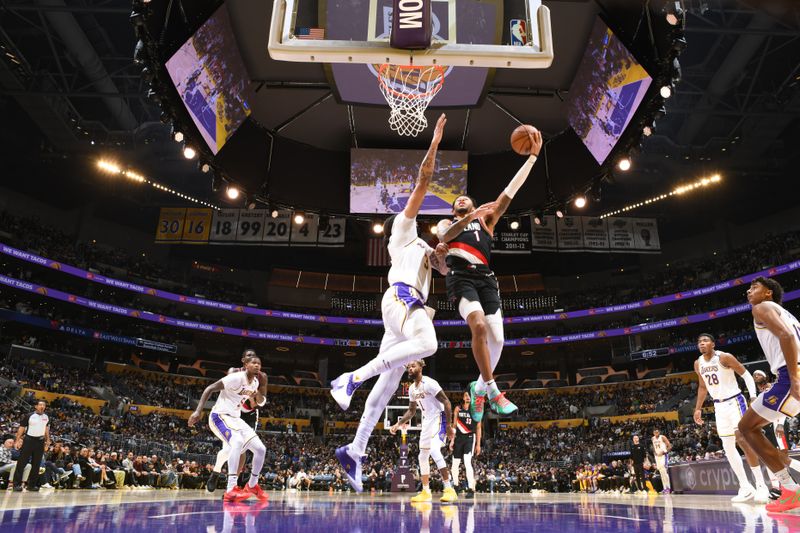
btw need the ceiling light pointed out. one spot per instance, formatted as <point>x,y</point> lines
<point>665,91</point>
<point>624,164</point>
<point>377,227</point>
<point>559,213</point>
<point>514,224</point>
<point>580,202</point>
<point>299,217</point>
<point>189,152</point>
<point>274,213</point>
<point>232,192</point>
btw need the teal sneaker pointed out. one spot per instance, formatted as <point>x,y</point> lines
<point>476,401</point>
<point>502,405</point>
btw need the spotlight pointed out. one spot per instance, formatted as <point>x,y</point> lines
<point>377,227</point>
<point>537,218</point>
<point>560,213</point>
<point>205,168</point>
<point>434,229</point>
<point>665,91</point>
<point>299,217</point>
<point>649,129</point>
<point>580,202</point>
<point>514,224</point>
<point>232,192</point>
<point>178,136</point>
<point>189,152</point>
<point>274,213</point>
<point>251,205</point>
<point>624,164</point>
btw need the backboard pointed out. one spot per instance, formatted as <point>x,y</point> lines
<point>450,47</point>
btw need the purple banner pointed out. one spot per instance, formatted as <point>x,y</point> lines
<point>265,335</point>
<point>212,304</point>
<point>39,322</point>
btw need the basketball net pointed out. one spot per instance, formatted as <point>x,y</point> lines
<point>408,91</point>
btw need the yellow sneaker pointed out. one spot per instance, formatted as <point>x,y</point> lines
<point>449,495</point>
<point>422,496</point>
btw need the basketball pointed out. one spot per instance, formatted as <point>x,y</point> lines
<point>521,140</point>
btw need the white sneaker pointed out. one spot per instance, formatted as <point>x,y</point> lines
<point>342,389</point>
<point>762,494</point>
<point>49,486</point>
<point>745,495</point>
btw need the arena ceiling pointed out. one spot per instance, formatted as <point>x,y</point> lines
<point>67,78</point>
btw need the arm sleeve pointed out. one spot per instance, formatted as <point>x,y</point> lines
<point>519,178</point>
<point>749,383</point>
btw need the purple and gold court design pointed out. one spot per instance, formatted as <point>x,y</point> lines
<point>189,511</point>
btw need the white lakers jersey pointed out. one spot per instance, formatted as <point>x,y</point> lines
<point>410,256</point>
<point>425,396</point>
<point>718,379</point>
<point>770,343</point>
<point>659,445</point>
<point>236,390</point>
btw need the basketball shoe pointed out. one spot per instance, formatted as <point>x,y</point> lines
<point>342,389</point>
<point>258,492</point>
<point>789,500</point>
<point>476,402</point>
<point>235,495</point>
<point>422,496</point>
<point>352,466</point>
<point>502,405</point>
<point>449,495</point>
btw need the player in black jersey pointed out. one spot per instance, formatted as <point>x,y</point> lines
<point>466,443</point>
<point>249,414</point>
<point>472,286</point>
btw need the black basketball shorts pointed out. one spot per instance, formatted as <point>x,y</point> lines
<point>477,287</point>
<point>464,445</point>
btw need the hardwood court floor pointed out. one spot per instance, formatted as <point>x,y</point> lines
<point>141,511</point>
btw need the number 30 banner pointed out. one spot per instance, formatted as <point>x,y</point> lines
<point>246,226</point>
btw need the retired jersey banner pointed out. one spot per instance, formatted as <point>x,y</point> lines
<point>512,241</point>
<point>246,226</point>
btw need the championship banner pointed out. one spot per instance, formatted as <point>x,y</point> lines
<point>512,241</point>
<point>595,234</point>
<point>95,277</point>
<point>620,233</point>
<point>543,236</point>
<point>570,234</point>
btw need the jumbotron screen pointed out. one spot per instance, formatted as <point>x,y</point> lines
<point>381,181</point>
<point>212,81</point>
<point>606,92</point>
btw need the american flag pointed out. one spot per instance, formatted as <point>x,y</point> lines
<point>314,34</point>
<point>377,253</point>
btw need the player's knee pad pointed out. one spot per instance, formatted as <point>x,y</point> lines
<point>438,458</point>
<point>424,461</point>
<point>494,324</point>
<point>466,307</point>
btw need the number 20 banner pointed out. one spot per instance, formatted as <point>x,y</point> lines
<point>246,226</point>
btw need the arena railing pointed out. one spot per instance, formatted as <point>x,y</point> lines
<point>203,327</point>
<point>269,313</point>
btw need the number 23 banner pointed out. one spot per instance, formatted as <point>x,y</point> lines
<point>246,226</point>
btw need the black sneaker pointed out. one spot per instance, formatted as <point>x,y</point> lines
<point>469,493</point>
<point>211,484</point>
<point>17,489</point>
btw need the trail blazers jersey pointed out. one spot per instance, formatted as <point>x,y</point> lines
<point>472,247</point>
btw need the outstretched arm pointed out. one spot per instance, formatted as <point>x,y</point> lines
<point>425,171</point>
<point>516,182</point>
<point>408,415</point>
<point>198,413</point>
<point>448,231</point>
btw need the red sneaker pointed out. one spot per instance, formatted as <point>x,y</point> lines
<point>236,495</point>
<point>258,492</point>
<point>789,499</point>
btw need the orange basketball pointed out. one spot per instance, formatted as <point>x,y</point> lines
<point>521,140</point>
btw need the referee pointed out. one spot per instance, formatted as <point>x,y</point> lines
<point>33,436</point>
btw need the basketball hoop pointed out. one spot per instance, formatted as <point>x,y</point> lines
<point>408,90</point>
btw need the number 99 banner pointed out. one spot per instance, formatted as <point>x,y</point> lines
<point>246,226</point>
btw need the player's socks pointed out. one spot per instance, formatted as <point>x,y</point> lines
<point>786,480</point>
<point>758,476</point>
<point>448,484</point>
<point>232,482</point>
<point>491,389</point>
